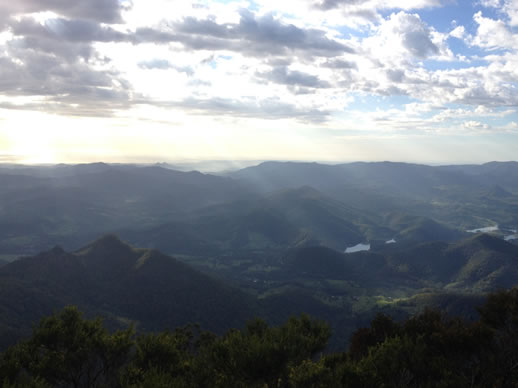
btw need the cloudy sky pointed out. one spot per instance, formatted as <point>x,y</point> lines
<point>330,80</point>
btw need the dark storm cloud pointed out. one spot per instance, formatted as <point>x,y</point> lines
<point>272,109</point>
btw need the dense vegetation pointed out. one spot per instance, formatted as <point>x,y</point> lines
<point>430,349</point>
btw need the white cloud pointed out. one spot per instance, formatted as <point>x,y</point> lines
<point>511,9</point>
<point>493,34</point>
<point>403,37</point>
<point>475,125</point>
<point>458,32</point>
<point>490,3</point>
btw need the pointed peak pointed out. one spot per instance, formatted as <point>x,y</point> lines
<point>108,243</point>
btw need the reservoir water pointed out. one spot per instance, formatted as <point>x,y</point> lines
<point>487,229</point>
<point>358,248</point>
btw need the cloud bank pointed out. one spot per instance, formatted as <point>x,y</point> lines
<point>322,62</point>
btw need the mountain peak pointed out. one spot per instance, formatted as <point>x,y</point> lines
<point>107,244</point>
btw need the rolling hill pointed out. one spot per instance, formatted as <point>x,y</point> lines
<point>280,220</point>
<point>459,196</point>
<point>407,180</point>
<point>481,263</point>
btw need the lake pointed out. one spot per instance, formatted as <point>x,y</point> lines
<point>358,248</point>
<point>487,229</point>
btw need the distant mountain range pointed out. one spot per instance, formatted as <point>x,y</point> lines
<point>271,204</point>
<point>453,194</point>
<point>266,240</point>
<point>70,205</point>
<point>413,179</point>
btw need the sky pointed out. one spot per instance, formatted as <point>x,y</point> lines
<point>425,81</point>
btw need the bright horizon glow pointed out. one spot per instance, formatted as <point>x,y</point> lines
<point>433,82</point>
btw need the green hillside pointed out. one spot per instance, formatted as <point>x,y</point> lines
<point>110,278</point>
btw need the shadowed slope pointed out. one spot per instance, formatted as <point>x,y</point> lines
<point>110,278</point>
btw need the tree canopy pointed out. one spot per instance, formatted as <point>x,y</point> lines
<point>430,349</point>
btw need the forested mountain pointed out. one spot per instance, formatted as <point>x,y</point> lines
<point>479,263</point>
<point>281,219</point>
<point>127,285</point>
